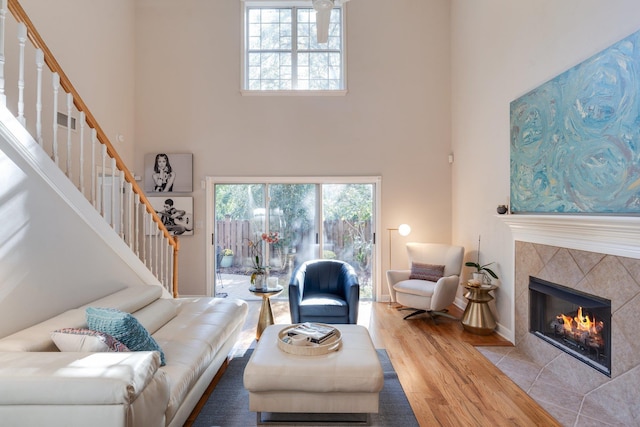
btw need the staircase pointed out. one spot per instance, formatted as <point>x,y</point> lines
<point>72,209</point>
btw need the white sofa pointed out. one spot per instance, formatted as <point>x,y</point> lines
<point>40,385</point>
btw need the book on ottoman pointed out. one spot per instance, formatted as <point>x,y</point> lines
<point>318,333</point>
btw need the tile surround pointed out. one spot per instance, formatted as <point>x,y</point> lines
<point>573,392</point>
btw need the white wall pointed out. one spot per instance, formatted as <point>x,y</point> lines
<point>93,43</point>
<point>393,122</point>
<point>501,49</point>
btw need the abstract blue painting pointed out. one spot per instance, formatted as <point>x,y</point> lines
<point>575,140</point>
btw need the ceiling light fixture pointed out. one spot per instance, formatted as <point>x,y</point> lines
<point>323,10</point>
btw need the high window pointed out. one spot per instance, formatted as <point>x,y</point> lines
<point>281,52</point>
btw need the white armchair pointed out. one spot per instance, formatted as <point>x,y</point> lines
<point>428,260</point>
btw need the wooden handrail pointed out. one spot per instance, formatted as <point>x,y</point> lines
<point>21,16</point>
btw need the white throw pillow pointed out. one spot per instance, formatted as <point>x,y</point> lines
<point>74,339</point>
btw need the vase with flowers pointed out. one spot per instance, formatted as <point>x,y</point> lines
<point>259,269</point>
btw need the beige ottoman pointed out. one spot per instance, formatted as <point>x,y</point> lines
<point>345,381</point>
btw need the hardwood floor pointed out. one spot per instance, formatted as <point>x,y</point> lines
<point>447,381</point>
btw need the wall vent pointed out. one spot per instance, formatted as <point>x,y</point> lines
<point>62,121</point>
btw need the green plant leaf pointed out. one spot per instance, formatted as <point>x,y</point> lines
<point>494,275</point>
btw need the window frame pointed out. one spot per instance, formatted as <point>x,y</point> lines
<point>245,4</point>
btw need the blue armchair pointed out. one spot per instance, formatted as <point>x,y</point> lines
<point>325,291</point>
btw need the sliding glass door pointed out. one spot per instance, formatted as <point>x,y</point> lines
<point>347,213</point>
<point>244,213</point>
<point>310,219</point>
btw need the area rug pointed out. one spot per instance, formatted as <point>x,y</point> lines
<point>228,405</point>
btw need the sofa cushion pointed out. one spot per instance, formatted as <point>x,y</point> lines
<point>69,378</point>
<point>157,314</point>
<point>123,327</point>
<point>129,299</point>
<point>38,337</point>
<point>193,340</point>
<point>428,272</point>
<point>77,339</point>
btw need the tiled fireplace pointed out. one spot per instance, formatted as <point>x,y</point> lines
<point>602,261</point>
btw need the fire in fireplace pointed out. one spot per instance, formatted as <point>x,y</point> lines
<point>575,322</point>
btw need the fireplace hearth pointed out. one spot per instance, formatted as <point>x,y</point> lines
<point>575,322</point>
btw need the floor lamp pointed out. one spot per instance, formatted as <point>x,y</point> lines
<point>403,230</point>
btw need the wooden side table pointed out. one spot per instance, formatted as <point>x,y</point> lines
<point>266,315</point>
<point>477,317</point>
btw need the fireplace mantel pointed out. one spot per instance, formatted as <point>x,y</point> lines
<point>614,235</point>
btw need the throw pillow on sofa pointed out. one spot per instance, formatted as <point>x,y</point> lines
<point>123,327</point>
<point>75,339</point>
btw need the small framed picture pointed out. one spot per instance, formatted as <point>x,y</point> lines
<point>168,173</point>
<point>176,214</point>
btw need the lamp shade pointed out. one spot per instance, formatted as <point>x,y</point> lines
<point>404,229</point>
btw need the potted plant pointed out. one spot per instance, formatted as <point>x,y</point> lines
<point>482,270</point>
<point>227,258</point>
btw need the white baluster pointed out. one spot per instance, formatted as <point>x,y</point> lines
<point>169,260</point>
<point>82,126</point>
<point>113,193</point>
<point>152,233</point>
<point>22,38</point>
<point>56,88</point>
<point>147,240</point>
<point>163,258</point>
<point>3,12</point>
<point>122,203</point>
<point>168,268</point>
<point>157,254</point>
<point>161,261</point>
<point>130,211</point>
<point>94,144</point>
<point>142,248</point>
<point>101,196</point>
<point>170,265</point>
<point>157,251</point>
<point>39,65</point>
<point>69,107</point>
<point>136,227</point>
<point>125,212</point>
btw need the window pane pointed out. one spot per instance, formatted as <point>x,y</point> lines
<point>285,15</point>
<point>270,16</point>
<point>318,66</point>
<point>269,71</point>
<point>253,16</point>
<point>273,48</point>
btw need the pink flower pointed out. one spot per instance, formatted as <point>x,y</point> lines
<point>272,237</point>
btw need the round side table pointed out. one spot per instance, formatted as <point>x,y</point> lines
<point>266,315</point>
<point>477,317</point>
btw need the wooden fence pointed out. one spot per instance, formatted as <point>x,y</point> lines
<point>348,241</point>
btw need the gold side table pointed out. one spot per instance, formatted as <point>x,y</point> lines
<point>266,315</point>
<point>477,317</point>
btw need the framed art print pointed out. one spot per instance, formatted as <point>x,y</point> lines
<point>176,214</point>
<point>168,173</point>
